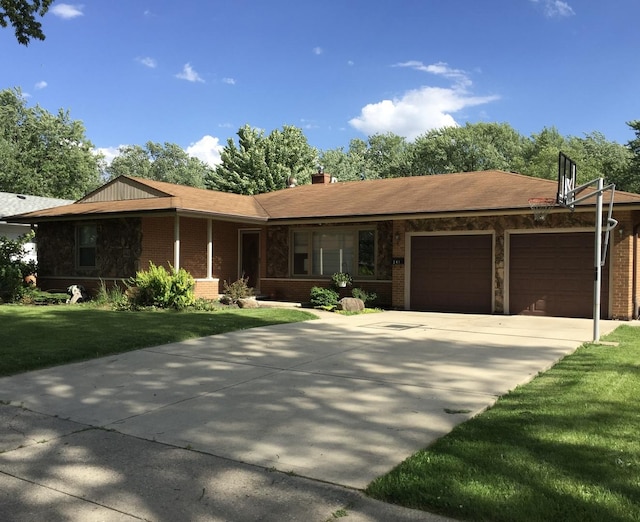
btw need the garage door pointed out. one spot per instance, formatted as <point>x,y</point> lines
<point>451,273</point>
<point>552,275</point>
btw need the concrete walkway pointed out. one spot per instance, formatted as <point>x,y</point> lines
<point>284,422</point>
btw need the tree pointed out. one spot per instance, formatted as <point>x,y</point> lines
<point>541,153</point>
<point>168,162</point>
<point>381,156</point>
<point>345,166</point>
<point>43,154</point>
<point>630,179</point>
<point>388,156</point>
<point>262,163</point>
<point>478,146</point>
<point>21,15</point>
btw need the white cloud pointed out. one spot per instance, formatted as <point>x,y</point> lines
<point>147,62</point>
<point>420,110</point>
<point>229,81</point>
<point>318,51</point>
<point>459,76</point>
<point>109,152</point>
<point>67,11</point>
<point>207,149</point>
<point>40,85</point>
<point>189,74</point>
<point>555,8</point>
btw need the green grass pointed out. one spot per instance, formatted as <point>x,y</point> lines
<point>564,447</point>
<point>33,337</point>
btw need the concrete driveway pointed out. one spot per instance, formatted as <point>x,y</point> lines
<point>340,400</point>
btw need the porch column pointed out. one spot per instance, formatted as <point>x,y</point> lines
<point>209,249</point>
<point>176,243</point>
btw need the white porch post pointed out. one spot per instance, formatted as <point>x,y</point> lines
<point>176,243</point>
<point>209,249</point>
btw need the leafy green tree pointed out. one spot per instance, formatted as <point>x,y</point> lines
<point>596,157</point>
<point>168,162</point>
<point>260,163</point>
<point>43,154</point>
<point>541,153</point>
<point>381,156</point>
<point>346,166</point>
<point>478,146</point>
<point>630,178</point>
<point>21,14</point>
<point>388,156</point>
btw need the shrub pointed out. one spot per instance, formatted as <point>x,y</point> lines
<point>324,298</point>
<point>237,290</point>
<point>13,267</point>
<point>115,297</point>
<point>160,288</point>
<point>360,293</point>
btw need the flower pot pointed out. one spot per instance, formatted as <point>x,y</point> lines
<point>342,284</point>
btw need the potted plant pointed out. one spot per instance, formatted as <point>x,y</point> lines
<point>341,279</point>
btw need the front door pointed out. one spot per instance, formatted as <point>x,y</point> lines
<point>250,257</point>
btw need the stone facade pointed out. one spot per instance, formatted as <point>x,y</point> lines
<point>118,247</point>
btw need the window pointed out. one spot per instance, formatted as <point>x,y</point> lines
<point>86,250</point>
<point>324,252</point>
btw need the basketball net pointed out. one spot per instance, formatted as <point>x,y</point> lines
<point>541,207</point>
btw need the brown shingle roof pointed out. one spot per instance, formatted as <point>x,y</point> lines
<point>175,198</point>
<point>464,192</point>
<point>486,191</point>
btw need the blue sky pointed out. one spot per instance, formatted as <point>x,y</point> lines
<point>193,72</point>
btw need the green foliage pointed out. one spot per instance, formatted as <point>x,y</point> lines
<point>14,267</point>
<point>262,163</point>
<point>114,297</point>
<point>629,179</point>
<point>168,162</point>
<point>381,156</point>
<point>162,289</point>
<point>22,16</point>
<point>325,298</point>
<point>363,295</point>
<point>43,154</point>
<point>237,290</point>
<point>474,147</point>
<point>341,279</point>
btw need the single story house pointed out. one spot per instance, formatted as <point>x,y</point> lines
<point>11,204</point>
<point>465,242</point>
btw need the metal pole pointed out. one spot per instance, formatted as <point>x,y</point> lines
<point>597,263</point>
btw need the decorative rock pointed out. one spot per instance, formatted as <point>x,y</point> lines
<point>351,304</point>
<point>248,302</point>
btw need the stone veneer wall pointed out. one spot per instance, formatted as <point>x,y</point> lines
<point>118,248</point>
<point>622,246</point>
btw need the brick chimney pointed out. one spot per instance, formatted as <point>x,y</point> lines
<point>321,177</point>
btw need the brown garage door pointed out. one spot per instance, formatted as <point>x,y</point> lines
<point>451,273</point>
<point>553,274</point>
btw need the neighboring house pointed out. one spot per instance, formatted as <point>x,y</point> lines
<point>11,204</point>
<point>463,242</point>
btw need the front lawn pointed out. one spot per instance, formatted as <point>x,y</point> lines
<point>564,447</point>
<point>33,337</point>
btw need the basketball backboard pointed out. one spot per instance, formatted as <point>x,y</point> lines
<point>566,181</point>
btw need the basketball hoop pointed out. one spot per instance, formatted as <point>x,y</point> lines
<point>541,207</point>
